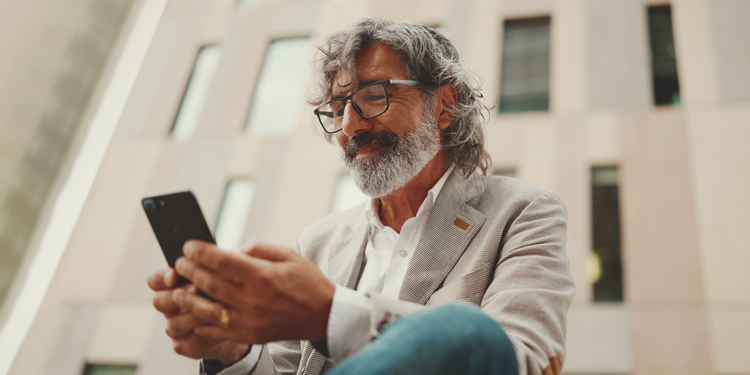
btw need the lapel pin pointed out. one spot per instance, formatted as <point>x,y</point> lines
<point>461,224</point>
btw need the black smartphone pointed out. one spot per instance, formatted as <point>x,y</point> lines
<point>175,218</point>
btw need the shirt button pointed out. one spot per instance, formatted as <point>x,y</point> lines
<point>403,253</point>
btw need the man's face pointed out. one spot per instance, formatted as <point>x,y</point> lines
<point>376,63</point>
<point>386,152</point>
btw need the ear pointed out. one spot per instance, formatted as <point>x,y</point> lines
<point>446,98</point>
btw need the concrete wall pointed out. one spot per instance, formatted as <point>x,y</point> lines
<point>54,57</point>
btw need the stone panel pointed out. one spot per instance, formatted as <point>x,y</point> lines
<point>618,58</point>
<point>105,224</point>
<point>670,340</point>
<point>160,359</point>
<point>729,23</point>
<point>604,138</point>
<point>730,339</point>
<point>720,165</point>
<point>122,333</point>
<point>661,261</point>
<point>69,356</point>
<point>568,86</point>
<point>572,171</point>
<point>598,340</point>
<point>696,61</point>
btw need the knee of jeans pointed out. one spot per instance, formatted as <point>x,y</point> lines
<point>468,324</point>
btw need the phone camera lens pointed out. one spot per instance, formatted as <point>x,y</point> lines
<point>148,204</point>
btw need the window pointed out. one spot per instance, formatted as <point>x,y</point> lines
<point>605,265</point>
<point>94,369</point>
<point>524,84</point>
<point>279,96</point>
<point>347,195</point>
<point>507,172</point>
<point>230,227</point>
<point>663,61</point>
<point>196,92</point>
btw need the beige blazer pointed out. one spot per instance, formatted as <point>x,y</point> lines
<point>496,242</point>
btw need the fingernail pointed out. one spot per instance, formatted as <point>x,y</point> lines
<point>168,277</point>
<point>179,265</point>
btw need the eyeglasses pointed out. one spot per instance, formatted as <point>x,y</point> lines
<point>369,101</point>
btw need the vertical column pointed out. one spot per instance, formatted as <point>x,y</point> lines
<point>730,29</point>
<point>618,58</point>
<point>695,53</point>
<point>661,261</point>
<point>568,83</point>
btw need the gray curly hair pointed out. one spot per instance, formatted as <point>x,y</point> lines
<point>429,57</point>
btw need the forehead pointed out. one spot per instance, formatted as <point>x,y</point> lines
<point>376,62</point>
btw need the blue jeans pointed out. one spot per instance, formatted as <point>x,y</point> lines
<point>450,339</point>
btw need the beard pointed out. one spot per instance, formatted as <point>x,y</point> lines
<point>401,160</point>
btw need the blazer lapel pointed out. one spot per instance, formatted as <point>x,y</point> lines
<point>346,255</point>
<point>449,229</point>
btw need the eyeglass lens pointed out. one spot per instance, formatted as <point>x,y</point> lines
<point>370,101</point>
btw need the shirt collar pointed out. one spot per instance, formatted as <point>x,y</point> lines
<point>425,207</point>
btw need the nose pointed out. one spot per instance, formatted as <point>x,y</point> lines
<point>352,123</point>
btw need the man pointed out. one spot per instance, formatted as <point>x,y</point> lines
<point>370,290</point>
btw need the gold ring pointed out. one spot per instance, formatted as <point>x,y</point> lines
<point>224,318</point>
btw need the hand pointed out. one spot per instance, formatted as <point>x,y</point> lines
<point>273,293</point>
<point>181,324</point>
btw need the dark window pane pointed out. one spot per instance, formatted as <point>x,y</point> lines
<point>605,219</point>
<point>196,92</point>
<point>92,369</point>
<point>663,61</point>
<point>508,172</point>
<point>524,84</point>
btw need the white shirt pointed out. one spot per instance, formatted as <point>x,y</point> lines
<point>386,260</point>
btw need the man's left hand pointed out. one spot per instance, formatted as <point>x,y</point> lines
<point>267,292</point>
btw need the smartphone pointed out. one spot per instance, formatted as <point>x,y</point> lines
<point>175,218</point>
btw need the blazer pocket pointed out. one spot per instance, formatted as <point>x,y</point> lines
<point>467,288</point>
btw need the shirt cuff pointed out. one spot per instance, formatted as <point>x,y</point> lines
<point>245,365</point>
<point>348,324</point>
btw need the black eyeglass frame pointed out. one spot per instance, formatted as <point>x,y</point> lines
<point>384,83</point>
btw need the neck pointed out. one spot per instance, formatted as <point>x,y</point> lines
<point>403,204</point>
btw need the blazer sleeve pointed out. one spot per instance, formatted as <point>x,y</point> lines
<point>279,358</point>
<point>530,291</point>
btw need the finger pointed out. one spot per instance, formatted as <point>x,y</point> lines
<point>245,247</point>
<point>214,285</point>
<point>231,265</point>
<point>182,326</point>
<point>161,279</point>
<point>200,307</point>
<point>187,348</point>
<point>267,251</point>
<point>222,334</point>
<point>164,303</point>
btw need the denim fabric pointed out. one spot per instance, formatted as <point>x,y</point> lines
<point>450,339</point>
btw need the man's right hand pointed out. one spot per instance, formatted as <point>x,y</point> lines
<point>181,325</point>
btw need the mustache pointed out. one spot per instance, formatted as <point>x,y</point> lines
<point>385,139</point>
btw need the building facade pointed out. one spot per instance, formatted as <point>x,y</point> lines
<point>636,112</point>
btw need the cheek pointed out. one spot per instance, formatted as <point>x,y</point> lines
<point>341,139</point>
<point>404,119</point>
